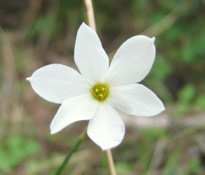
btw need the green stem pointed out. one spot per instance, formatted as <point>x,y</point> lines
<point>73,149</point>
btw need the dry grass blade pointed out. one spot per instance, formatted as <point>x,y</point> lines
<point>8,71</point>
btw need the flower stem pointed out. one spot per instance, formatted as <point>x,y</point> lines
<point>110,162</point>
<point>91,22</point>
<point>73,149</point>
<point>90,12</point>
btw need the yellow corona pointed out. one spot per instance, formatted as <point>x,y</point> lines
<point>100,91</point>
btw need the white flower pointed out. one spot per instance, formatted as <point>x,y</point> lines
<point>100,90</point>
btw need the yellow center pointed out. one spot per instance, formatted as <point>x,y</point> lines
<point>100,91</point>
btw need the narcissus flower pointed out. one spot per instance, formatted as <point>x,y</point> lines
<point>99,90</point>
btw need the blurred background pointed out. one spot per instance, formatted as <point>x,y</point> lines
<point>34,33</point>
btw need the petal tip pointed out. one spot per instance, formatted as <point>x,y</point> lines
<point>84,25</point>
<point>163,108</point>
<point>160,109</point>
<point>153,39</point>
<point>29,78</point>
<point>104,149</point>
<point>53,131</point>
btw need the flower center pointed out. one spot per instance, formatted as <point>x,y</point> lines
<point>100,91</point>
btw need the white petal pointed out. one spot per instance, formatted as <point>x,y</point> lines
<point>56,83</point>
<point>106,129</point>
<point>136,100</point>
<point>90,57</point>
<point>132,62</point>
<point>72,110</point>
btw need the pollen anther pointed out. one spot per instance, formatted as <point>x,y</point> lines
<point>100,91</point>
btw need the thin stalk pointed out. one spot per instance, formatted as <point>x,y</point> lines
<point>73,149</point>
<point>91,22</point>
<point>90,13</point>
<point>110,162</point>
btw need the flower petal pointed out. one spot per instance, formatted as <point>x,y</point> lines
<point>132,62</point>
<point>106,129</point>
<point>90,57</point>
<point>57,82</point>
<point>72,110</point>
<point>135,99</point>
